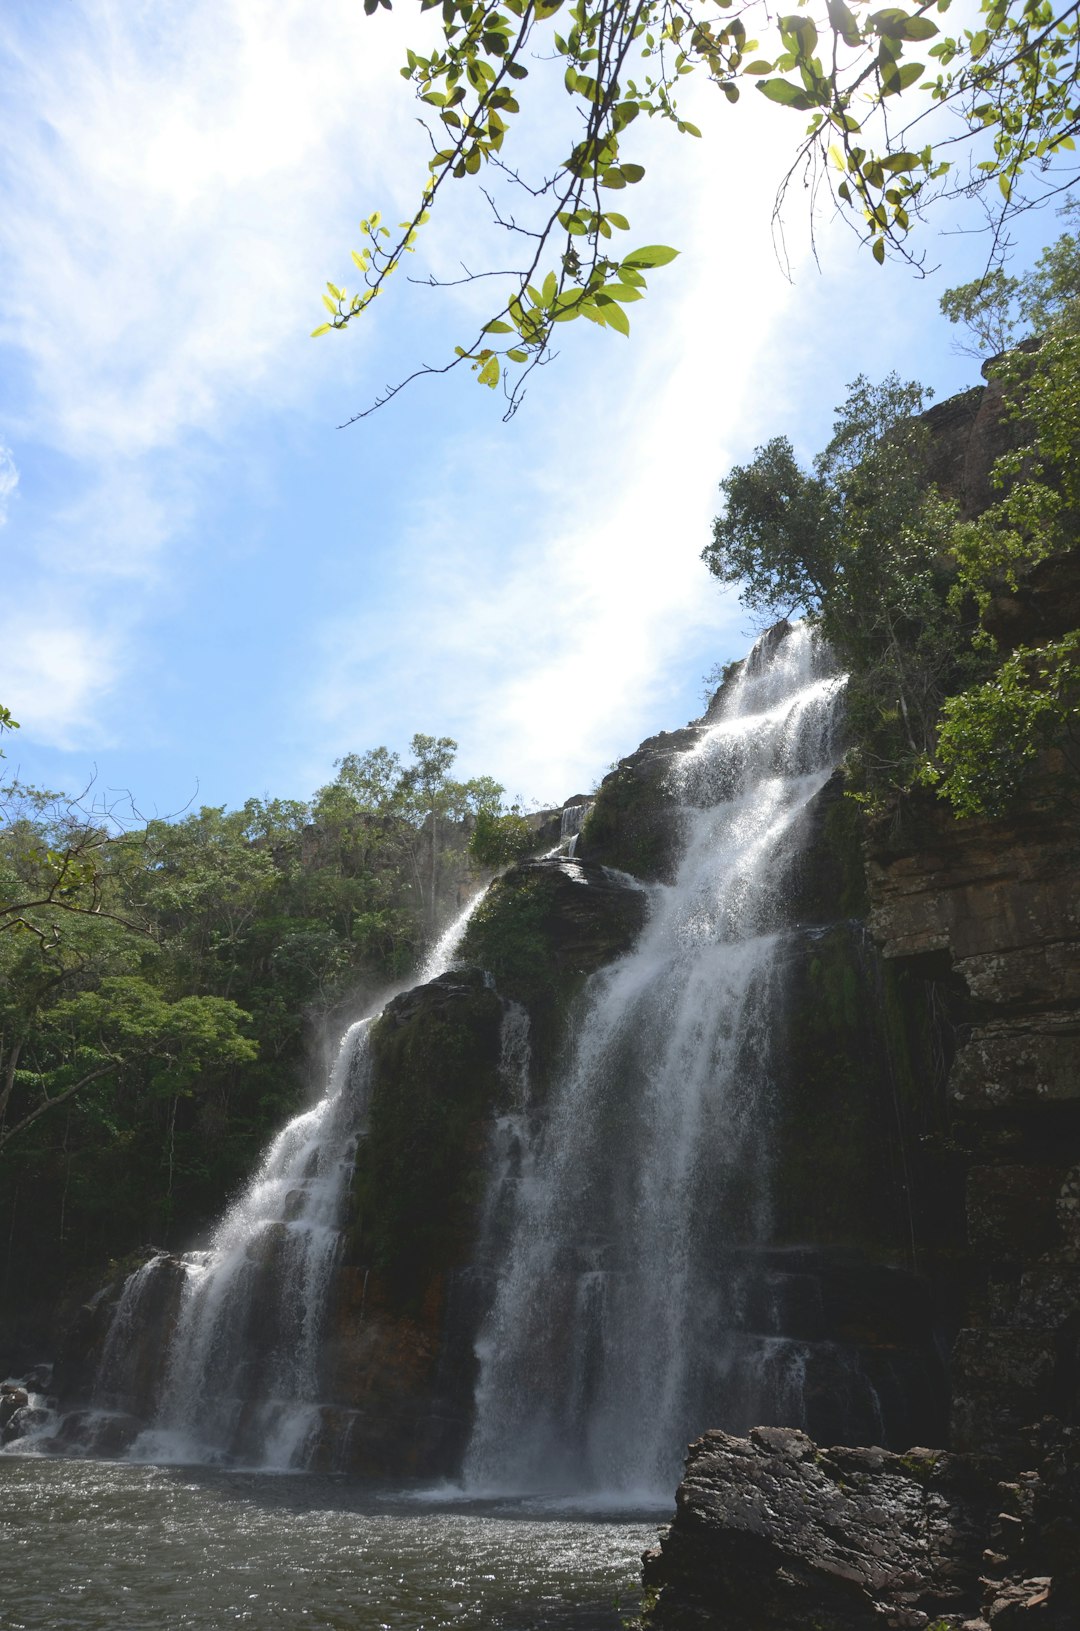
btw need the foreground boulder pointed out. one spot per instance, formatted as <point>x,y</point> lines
<point>772,1533</point>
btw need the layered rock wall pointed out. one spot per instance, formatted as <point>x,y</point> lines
<point>1000,904</point>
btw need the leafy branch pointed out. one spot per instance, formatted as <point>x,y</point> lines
<point>1008,88</point>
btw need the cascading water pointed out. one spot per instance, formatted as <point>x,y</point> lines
<point>243,1371</point>
<point>608,1343</point>
<point>242,1379</point>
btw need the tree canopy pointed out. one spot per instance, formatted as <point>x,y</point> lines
<point>164,984</point>
<point>901,115</point>
<point>903,585</point>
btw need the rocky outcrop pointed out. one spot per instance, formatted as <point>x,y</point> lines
<point>632,824</point>
<point>434,1087</point>
<point>398,1361</point>
<point>999,904</point>
<point>772,1533</point>
<point>549,923</point>
<point>544,927</point>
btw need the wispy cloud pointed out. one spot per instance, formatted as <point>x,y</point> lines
<point>58,672</point>
<point>171,205</point>
<point>545,625</point>
<point>9,480</point>
<point>173,194</point>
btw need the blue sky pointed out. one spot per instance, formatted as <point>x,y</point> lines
<point>209,592</point>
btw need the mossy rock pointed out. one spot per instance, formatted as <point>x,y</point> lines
<point>420,1171</point>
<point>633,824</point>
<point>544,927</point>
<point>827,874</point>
<point>840,1159</point>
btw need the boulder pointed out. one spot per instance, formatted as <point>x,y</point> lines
<point>772,1533</point>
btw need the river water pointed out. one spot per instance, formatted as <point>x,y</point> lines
<point>111,1546</point>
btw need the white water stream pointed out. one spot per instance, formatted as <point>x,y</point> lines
<point>243,1378</point>
<point>608,1343</point>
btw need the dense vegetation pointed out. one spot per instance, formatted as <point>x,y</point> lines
<point>167,990</point>
<point>903,583</point>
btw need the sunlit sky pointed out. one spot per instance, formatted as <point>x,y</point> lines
<point>209,591</point>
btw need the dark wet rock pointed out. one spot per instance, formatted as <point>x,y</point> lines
<point>13,1400</point>
<point>998,905</point>
<point>1044,605</point>
<point>553,921</point>
<point>545,926</point>
<point>633,824</point>
<point>773,1534</point>
<point>419,1171</point>
<point>135,1381</point>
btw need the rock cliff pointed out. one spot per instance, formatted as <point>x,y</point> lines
<point>973,932</point>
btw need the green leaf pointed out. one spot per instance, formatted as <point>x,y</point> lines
<point>497,327</point>
<point>489,374</point>
<point>844,22</point>
<point>323,328</point>
<point>612,315</point>
<point>877,249</point>
<point>650,255</point>
<point>632,172</point>
<point>788,95</point>
<point>801,32</point>
<point>919,28</point>
<point>895,79</point>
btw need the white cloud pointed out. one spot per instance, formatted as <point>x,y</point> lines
<point>9,480</point>
<point>57,672</point>
<point>544,624</point>
<point>172,213</point>
<point>184,180</point>
<point>177,183</point>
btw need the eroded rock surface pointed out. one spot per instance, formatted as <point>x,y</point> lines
<point>772,1533</point>
<point>999,903</point>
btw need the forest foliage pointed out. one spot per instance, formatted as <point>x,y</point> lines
<point>168,988</point>
<point>903,584</point>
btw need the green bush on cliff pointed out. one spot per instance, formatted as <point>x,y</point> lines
<point>899,584</point>
<point>498,839</point>
<point>992,733</point>
<point>861,545</point>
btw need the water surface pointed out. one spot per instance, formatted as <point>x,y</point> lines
<point>110,1546</point>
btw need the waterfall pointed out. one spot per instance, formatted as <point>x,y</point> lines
<point>609,1342</point>
<point>242,1377</point>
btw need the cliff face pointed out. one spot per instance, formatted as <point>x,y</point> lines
<point>1001,904</point>
<point>975,929</point>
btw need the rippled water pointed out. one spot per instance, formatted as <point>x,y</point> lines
<point>99,1546</point>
